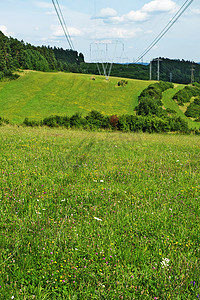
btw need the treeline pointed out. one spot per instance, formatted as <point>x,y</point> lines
<point>177,71</point>
<point>16,54</point>
<point>132,71</point>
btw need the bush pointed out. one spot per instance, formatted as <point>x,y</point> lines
<point>193,110</point>
<point>122,83</point>
<point>77,121</point>
<point>32,123</point>
<point>184,95</point>
<point>95,120</point>
<point>3,121</point>
<point>114,121</point>
<point>150,100</point>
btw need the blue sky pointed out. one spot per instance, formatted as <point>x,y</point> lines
<point>133,24</point>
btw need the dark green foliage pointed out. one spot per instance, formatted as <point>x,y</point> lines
<point>180,70</point>
<point>76,121</point>
<point>31,123</point>
<point>150,100</point>
<point>170,111</point>
<point>177,70</point>
<point>95,120</point>
<point>151,124</point>
<point>178,124</point>
<point>193,109</point>
<point>147,107</point>
<point>184,95</point>
<point>3,121</point>
<point>15,55</point>
<point>55,121</point>
<point>122,83</point>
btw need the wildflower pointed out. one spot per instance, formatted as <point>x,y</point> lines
<point>97,219</point>
<point>165,262</point>
<point>193,282</point>
<point>101,180</point>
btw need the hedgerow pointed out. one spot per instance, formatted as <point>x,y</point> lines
<point>150,100</point>
<point>184,95</point>
<point>95,120</point>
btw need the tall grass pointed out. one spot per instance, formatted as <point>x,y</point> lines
<point>98,215</point>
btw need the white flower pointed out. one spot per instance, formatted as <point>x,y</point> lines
<point>97,219</point>
<point>101,180</point>
<point>165,262</point>
<point>12,297</point>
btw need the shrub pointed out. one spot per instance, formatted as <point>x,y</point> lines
<point>77,121</point>
<point>150,100</point>
<point>184,95</point>
<point>32,123</point>
<point>95,120</point>
<point>193,110</point>
<point>114,121</point>
<point>122,83</point>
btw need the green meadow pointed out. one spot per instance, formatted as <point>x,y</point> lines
<point>97,215</point>
<point>37,95</point>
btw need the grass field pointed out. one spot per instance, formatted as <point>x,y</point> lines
<point>37,95</point>
<point>98,215</point>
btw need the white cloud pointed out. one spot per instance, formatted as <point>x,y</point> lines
<point>110,16</point>
<point>160,6</point>
<point>195,11</point>
<point>4,29</point>
<point>136,16</point>
<point>120,33</point>
<point>42,4</point>
<point>106,13</point>
<point>57,31</point>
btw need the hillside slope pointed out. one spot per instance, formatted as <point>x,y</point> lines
<point>37,95</point>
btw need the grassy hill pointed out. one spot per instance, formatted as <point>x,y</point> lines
<point>37,95</point>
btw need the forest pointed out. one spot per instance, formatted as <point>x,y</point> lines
<point>15,55</point>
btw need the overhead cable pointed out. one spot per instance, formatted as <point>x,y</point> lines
<point>62,23</point>
<point>166,28</point>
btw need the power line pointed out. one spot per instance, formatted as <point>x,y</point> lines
<point>166,28</point>
<point>62,23</point>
